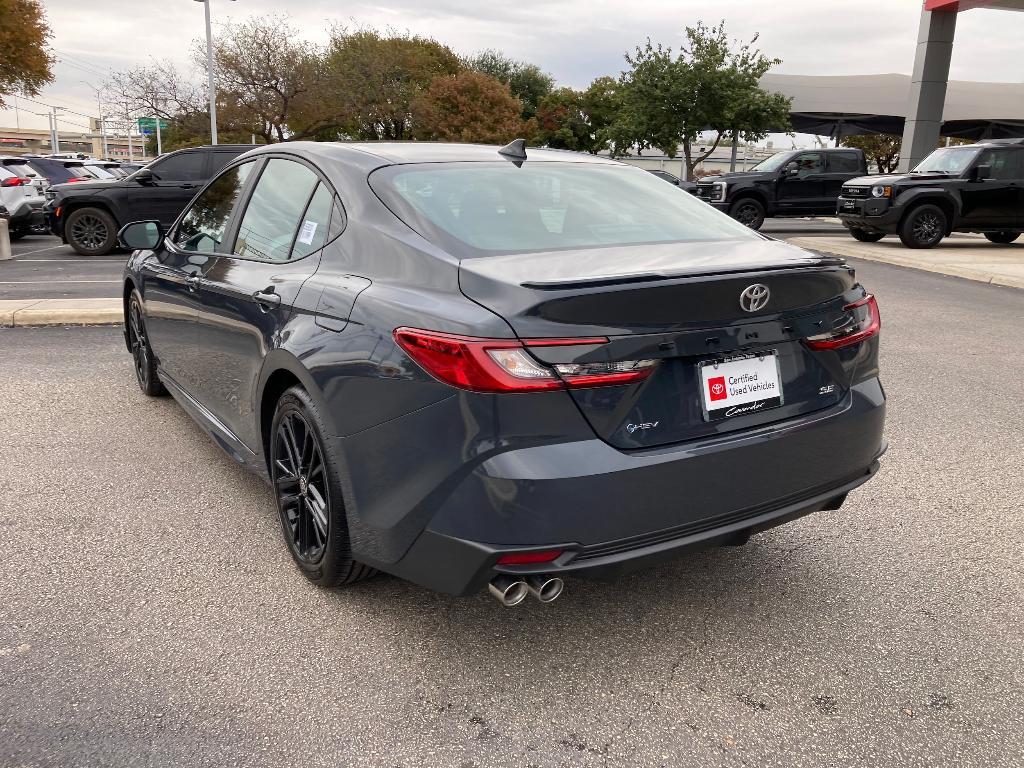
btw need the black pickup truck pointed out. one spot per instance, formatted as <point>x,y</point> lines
<point>797,183</point>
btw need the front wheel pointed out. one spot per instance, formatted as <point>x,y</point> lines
<point>91,231</point>
<point>309,495</point>
<point>923,227</point>
<point>866,237</point>
<point>1002,238</point>
<point>748,212</point>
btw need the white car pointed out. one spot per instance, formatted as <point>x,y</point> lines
<point>23,200</point>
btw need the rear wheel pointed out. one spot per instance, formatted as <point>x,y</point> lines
<point>923,227</point>
<point>866,237</point>
<point>748,212</point>
<point>1002,238</point>
<point>142,355</point>
<point>16,233</point>
<point>91,231</point>
<point>309,495</point>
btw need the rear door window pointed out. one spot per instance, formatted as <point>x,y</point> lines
<point>315,224</point>
<point>188,166</point>
<point>843,162</point>
<point>274,213</point>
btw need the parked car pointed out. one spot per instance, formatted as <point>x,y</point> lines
<point>671,178</point>
<point>112,167</point>
<point>474,367</point>
<point>20,167</point>
<point>87,215</point>
<point>797,183</point>
<point>21,197</point>
<point>975,188</point>
<point>59,170</point>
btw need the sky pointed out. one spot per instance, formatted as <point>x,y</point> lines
<point>573,40</point>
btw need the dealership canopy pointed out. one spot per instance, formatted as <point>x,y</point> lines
<point>850,105</point>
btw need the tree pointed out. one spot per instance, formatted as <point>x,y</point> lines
<point>468,107</point>
<point>372,80</point>
<point>526,81</point>
<point>26,64</point>
<point>882,149</point>
<point>269,79</point>
<point>603,103</point>
<point>669,100</point>
<point>562,122</point>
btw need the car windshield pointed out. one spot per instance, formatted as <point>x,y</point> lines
<point>951,160</point>
<point>542,206</point>
<point>772,163</point>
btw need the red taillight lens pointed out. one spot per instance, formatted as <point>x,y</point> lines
<point>866,322</point>
<point>78,178</point>
<point>14,181</point>
<point>504,365</point>
<point>530,558</point>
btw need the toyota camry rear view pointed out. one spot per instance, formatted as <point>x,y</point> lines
<point>477,367</point>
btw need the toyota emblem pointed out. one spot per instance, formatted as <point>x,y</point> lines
<point>754,297</point>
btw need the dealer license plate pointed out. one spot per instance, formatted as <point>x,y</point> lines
<point>738,386</point>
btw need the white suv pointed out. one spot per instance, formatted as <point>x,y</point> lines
<point>23,199</point>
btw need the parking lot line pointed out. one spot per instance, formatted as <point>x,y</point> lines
<point>40,250</point>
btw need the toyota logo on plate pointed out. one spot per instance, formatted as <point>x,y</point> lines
<point>754,297</point>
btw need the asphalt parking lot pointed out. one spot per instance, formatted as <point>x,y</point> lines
<point>150,614</point>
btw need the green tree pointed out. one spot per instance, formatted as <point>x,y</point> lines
<point>372,80</point>
<point>562,122</point>
<point>603,103</point>
<point>882,149</point>
<point>712,84</point>
<point>468,107</point>
<point>526,81</point>
<point>26,64</point>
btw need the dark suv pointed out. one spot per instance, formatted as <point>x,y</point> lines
<point>87,215</point>
<point>976,188</point>
<point>797,183</point>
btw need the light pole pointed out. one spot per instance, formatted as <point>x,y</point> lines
<point>209,73</point>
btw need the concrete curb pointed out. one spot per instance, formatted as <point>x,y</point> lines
<point>33,312</point>
<point>990,273</point>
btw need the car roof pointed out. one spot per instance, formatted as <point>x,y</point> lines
<point>399,152</point>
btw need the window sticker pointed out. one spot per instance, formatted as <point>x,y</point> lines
<point>308,232</point>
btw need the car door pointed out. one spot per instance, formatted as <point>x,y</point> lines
<point>1016,217</point>
<point>802,184</point>
<point>990,193</point>
<point>842,166</point>
<point>176,179</point>
<point>171,276</point>
<point>247,293</point>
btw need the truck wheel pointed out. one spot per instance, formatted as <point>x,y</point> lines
<point>91,231</point>
<point>17,233</point>
<point>923,227</point>
<point>866,237</point>
<point>748,212</point>
<point>1002,238</point>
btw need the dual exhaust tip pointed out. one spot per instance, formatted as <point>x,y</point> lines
<point>512,590</point>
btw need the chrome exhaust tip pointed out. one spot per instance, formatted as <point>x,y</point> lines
<point>545,588</point>
<point>508,590</point>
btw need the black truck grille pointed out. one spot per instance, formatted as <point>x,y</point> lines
<point>856,191</point>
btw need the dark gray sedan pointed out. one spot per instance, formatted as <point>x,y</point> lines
<point>474,366</point>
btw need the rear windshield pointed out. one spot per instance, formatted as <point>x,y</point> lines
<point>544,206</point>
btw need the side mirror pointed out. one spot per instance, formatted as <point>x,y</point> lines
<point>981,172</point>
<point>140,235</point>
<point>791,170</point>
<point>144,176</point>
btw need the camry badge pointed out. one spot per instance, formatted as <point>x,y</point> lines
<point>754,297</point>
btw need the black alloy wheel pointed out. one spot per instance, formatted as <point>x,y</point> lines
<point>309,495</point>
<point>1002,238</point>
<point>923,227</point>
<point>748,212</point>
<point>142,356</point>
<point>866,237</point>
<point>91,231</point>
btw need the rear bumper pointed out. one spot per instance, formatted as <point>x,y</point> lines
<point>610,510</point>
<point>29,214</point>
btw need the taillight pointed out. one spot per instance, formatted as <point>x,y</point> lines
<point>78,178</point>
<point>505,365</point>
<point>865,322</point>
<point>14,181</point>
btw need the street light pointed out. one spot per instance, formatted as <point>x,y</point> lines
<point>209,72</point>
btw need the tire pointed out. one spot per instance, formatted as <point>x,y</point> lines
<point>17,233</point>
<point>142,354</point>
<point>309,494</point>
<point>924,226</point>
<point>91,231</point>
<point>748,211</point>
<point>1002,238</point>
<point>866,237</point>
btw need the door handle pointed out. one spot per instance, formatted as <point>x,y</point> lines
<point>267,299</point>
<point>193,283</point>
<point>189,186</point>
